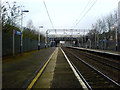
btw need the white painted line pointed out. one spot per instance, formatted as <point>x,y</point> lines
<point>76,74</point>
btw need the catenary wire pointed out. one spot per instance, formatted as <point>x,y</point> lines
<point>48,14</point>
<point>86,13</point>
<point>82,11</point>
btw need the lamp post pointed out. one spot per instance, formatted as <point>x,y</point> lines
<point>89,43</point>
<point>21,41</point>
<point>116,38</point>
<point>46,39</point>
<point>39,38</point>
<point>71,37</point>
<point>78,38</point>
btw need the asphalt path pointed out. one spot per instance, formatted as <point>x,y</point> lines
<point>18,70</point>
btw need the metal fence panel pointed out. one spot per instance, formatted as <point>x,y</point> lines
<point>7,45</point>
<point>28,44</point>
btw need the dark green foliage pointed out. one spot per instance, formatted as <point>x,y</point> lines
<point>8,24</point>
<point>30,33</point>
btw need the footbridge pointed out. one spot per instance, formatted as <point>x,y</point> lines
<point>67,35</point>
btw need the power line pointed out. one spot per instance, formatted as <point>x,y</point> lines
<point>86,12</point>
<point>48,14</point>
<point>83,10</point>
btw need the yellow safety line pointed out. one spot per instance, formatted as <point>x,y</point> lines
<point>35,79</point>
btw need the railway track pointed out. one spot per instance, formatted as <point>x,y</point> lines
<point>106,61</point>
<point>108,66</point>
<point>94,77</point>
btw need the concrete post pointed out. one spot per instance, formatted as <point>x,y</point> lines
<point>13,43</point>
<point>119,15</point>
<point>0,55</point>
<point>21,32</point>
<point>119,25</point>
<point>39,41</point>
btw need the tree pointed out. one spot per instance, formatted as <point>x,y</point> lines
<point>9,16</point>
<point>103,27</point>
<point>30,24</point>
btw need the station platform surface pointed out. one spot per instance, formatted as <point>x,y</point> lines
<point>58,74</point>
<point>19,70</point>
<point>102,51</point>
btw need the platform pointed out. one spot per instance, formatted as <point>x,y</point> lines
<point>46,68</point>
<point>100,51</point>
<point>58,74</point>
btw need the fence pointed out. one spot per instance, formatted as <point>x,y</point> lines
<point>28,44</point>
<point>103,45</point>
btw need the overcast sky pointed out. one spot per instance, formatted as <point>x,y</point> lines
<point>66,13</point>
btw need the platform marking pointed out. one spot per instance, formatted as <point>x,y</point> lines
<point>40,72</point>
<point>76,74</point>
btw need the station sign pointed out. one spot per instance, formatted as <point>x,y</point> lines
<point>17,32</point>
<point>41,27</point>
